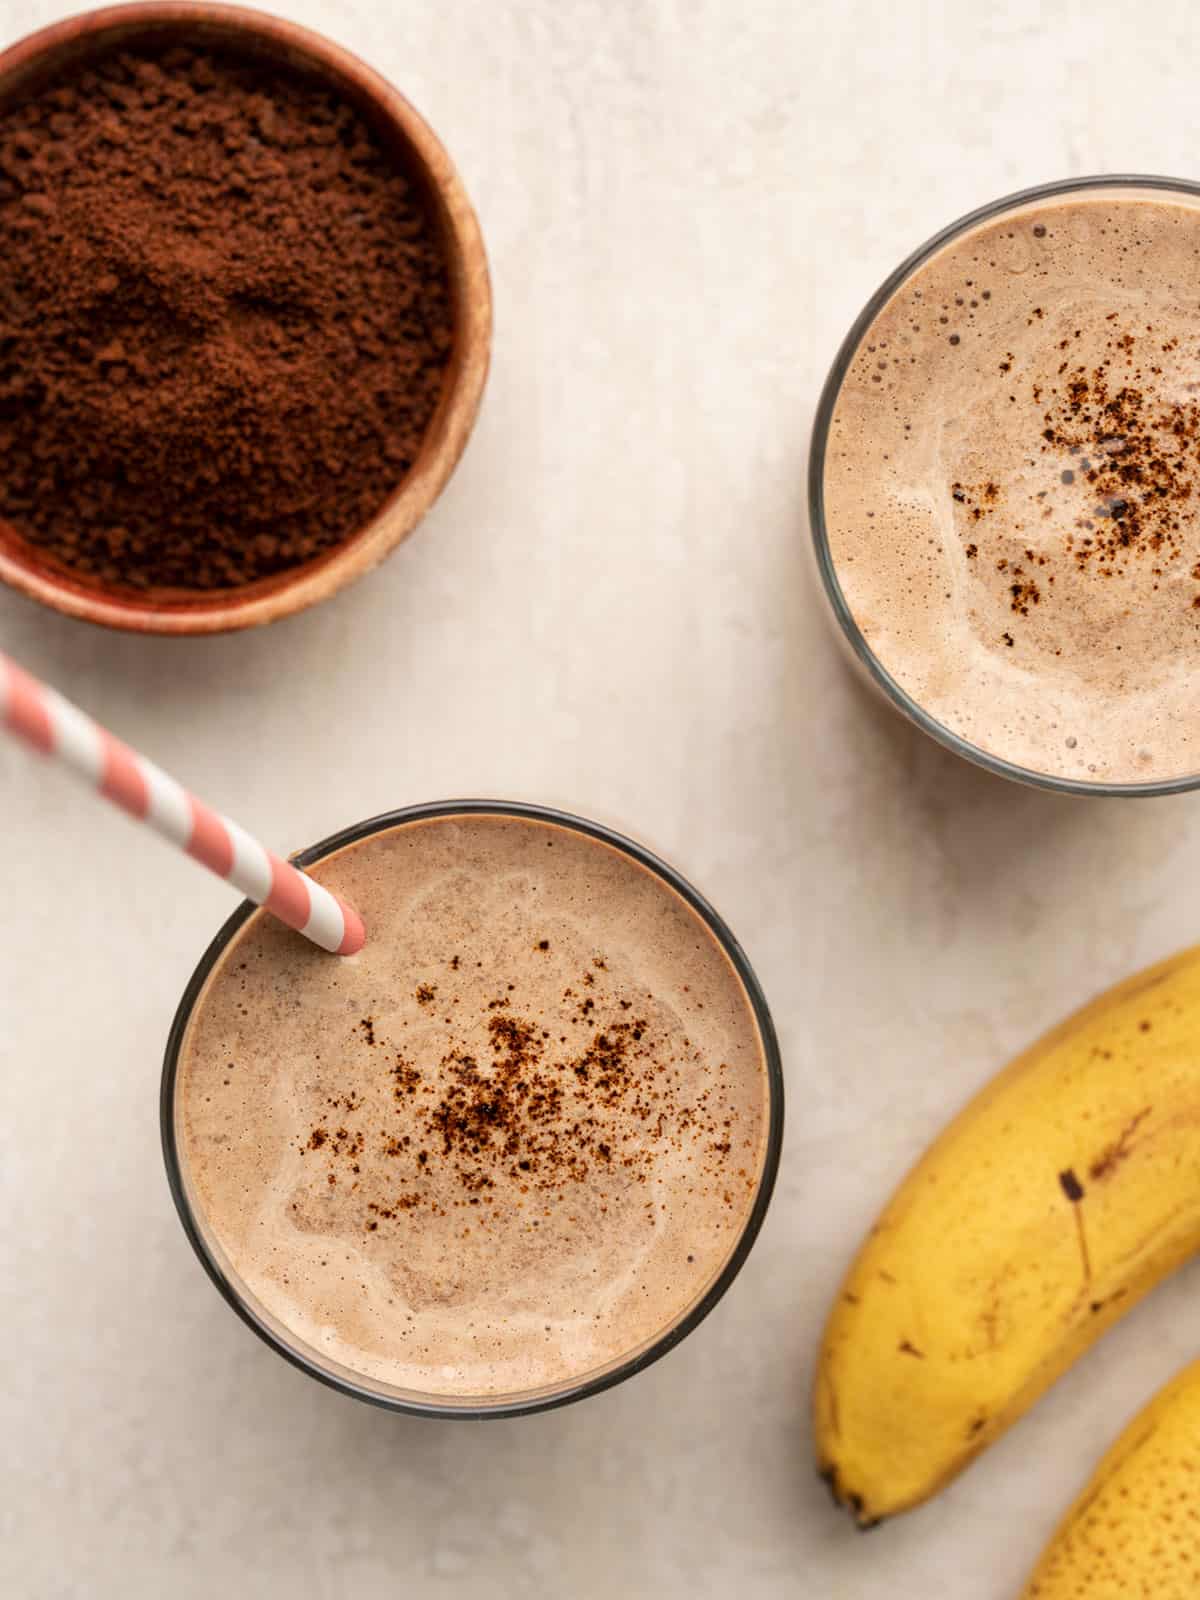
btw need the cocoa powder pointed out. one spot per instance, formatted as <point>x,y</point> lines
<point>224,319</point>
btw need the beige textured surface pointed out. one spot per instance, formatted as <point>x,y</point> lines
<point>610,609</point>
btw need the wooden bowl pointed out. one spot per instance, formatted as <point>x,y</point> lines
<point>33,61</point>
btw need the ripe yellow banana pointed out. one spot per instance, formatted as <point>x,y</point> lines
<point>1135,1529</point>
<point>1053,1202</point>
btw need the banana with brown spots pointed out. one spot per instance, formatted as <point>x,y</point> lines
<point>1061,1195</point>
<point>1135,1529</point>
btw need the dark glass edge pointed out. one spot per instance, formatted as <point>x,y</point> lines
<point>770,1044</point>
<point>902,701</point>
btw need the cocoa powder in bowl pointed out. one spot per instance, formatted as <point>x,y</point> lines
<point>225,318</point>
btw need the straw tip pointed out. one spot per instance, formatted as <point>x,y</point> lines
<point>355,935</point>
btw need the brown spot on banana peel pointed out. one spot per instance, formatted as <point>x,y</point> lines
<point>1071,1186</point>
<point>990,1320</point>
<point>1074,1192</point>
<point>1099,1305</point>
<point>908,1349</point>
<point>1109,1159</point>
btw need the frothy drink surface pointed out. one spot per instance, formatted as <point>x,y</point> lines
<point>1012,486</point>
<point>506,1145</point>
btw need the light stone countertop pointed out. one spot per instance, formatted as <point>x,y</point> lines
<point>685,202</point>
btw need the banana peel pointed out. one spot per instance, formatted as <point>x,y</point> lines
<point>1135,1529</point>
<point>1058,1197</point>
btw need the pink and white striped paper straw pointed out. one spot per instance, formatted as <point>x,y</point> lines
<point>51,724</point>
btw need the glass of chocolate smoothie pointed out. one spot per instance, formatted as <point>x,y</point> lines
<point>507,1155</point>
<point>1004,486</point>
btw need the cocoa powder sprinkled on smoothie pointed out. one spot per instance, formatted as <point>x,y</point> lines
<point>1136,458</point>
<point>1137,453</point>
<point>527,1117</point>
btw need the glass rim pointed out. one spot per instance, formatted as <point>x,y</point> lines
<point>605,1378</point>
<point>866,657</point>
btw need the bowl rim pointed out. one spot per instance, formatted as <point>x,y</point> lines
<point>284,594</point>
<point>528,1402</point>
